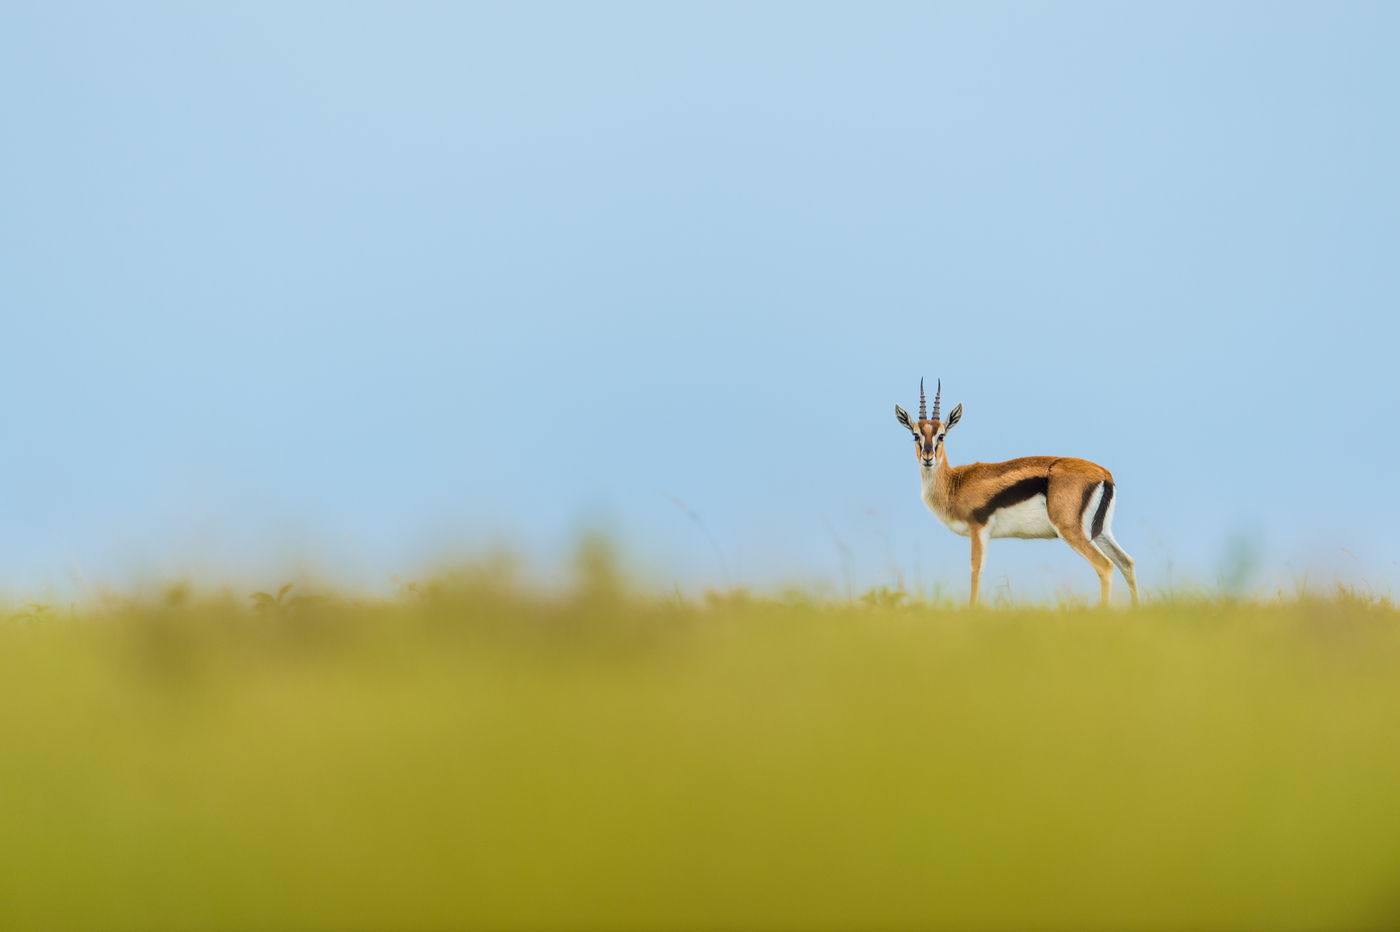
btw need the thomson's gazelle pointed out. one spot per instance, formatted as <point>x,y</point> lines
<point>1035,496</point>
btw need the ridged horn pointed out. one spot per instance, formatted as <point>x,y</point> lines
<point>936,395</point>
<point>922,415</point>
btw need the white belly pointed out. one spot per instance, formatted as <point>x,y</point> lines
<point>1023,519</point>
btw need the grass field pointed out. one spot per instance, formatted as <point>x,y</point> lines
<point>471,755</point>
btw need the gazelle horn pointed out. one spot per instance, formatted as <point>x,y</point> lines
<point>922,415</point>
<point>936,395</point>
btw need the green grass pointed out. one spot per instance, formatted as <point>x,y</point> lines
<point>471,756</point>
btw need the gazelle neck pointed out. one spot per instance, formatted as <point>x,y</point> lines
<point>934,476</point>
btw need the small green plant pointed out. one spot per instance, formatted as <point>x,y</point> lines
<point>267,604</point>
<point>38,611</point>
<point>884,596</point>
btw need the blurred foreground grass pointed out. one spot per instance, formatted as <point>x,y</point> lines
<point>473,756</point>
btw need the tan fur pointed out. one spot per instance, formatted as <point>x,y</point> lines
<point>962,490</point>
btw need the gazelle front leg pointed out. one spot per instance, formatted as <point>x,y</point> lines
<point>979,556</point>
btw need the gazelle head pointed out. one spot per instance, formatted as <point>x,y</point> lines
<point>928,430</point>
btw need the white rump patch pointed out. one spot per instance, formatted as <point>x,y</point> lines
<point>1086,520</point>
<point>1108,516</point>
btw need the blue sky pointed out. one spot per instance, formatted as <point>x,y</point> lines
<point>364,285</point>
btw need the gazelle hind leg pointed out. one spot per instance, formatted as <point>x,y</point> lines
<point>1083,546</point>
<point>1064,509</point>
<point>1120,558</point>
<point>1102,533</point>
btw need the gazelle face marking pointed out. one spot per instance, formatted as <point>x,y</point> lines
<point>928,441</point>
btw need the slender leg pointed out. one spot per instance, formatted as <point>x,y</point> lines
<point>1074,536</point>
<point>979,556</point>
<point>1065,504</point>
<point>1120,559</point>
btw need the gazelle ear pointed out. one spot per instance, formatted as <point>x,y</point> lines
<point>954,416</point>
<point>903,417</point>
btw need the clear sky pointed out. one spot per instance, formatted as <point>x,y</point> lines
<point>367,284</point>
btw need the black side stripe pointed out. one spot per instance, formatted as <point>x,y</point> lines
<point>1013,494</point>
<point>1103,509</point>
